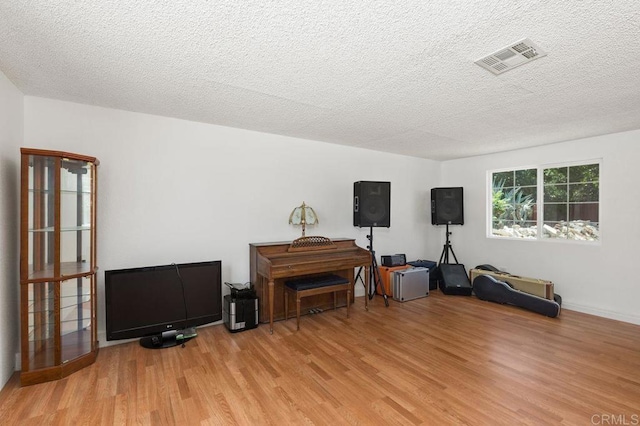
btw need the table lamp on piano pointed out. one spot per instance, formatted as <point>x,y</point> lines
<point>304,215</point>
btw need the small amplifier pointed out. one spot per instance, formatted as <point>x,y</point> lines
<point>240,308</point>
<point>240,314</point>
<point>394,260</point>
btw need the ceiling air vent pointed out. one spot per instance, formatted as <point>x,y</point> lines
<point>512,56</point>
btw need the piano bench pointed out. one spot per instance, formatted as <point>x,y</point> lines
<point>311,286</point>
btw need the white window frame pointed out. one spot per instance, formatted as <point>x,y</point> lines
<point>540,201</point>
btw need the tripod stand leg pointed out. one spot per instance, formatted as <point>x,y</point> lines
<point>444,255</point>
<point>371,291</point>
<point>366,287</point>
<point>454,255</point>
<point>358,277</point>
<point>374,273</point>
<point>377,280</point>
<point>365,283</point>
<point>446,248</point>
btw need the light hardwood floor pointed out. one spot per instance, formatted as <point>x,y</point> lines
<point>437,360</point>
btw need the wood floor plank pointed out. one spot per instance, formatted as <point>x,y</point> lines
<point>435,360</point>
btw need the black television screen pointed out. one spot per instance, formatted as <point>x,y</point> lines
<point>149,301</point>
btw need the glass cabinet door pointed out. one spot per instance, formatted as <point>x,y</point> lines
<point>41,328</point>
<point>76,317</point>
<point>41,216</point>
<point>76,198</point>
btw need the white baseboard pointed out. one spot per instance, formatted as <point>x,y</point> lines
<point>633,319</point>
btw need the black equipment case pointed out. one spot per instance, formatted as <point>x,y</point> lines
<point>488,288</point>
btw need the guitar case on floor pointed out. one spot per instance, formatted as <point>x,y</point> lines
<point>488,288</point>
<point>537,287</point>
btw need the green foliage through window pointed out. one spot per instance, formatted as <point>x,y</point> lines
<point>570,202</point>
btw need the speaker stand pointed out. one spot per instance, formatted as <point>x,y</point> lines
<point>375,280</point>
<point>446,249</point>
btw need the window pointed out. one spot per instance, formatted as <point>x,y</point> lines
<point>514,203</point>
<point>547,202</point>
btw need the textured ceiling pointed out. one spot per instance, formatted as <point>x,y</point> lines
<point>389,76</point>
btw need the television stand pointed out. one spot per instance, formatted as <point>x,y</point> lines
<point>168,339</point>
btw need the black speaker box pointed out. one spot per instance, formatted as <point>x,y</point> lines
<point>454,280</point>
<point>447,206</point>
<point>372,204</point>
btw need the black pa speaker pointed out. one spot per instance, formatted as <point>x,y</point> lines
<point>454,280</point>
<point>446,206</point>
<point>372,204</point>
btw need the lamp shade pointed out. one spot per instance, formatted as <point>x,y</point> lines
<point>303,215</point>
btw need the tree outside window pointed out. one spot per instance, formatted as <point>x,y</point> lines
<point>514,195</point>
<point>570,202</point>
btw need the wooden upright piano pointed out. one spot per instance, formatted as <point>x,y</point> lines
<point>273,263</point>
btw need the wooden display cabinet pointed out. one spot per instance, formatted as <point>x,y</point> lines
<point>57,264</point>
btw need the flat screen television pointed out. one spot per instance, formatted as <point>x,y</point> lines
<point>162,304</point>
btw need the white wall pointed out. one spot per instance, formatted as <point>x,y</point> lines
<point>595,278</point>
<point>11,129</point>
<point>177,191</point>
